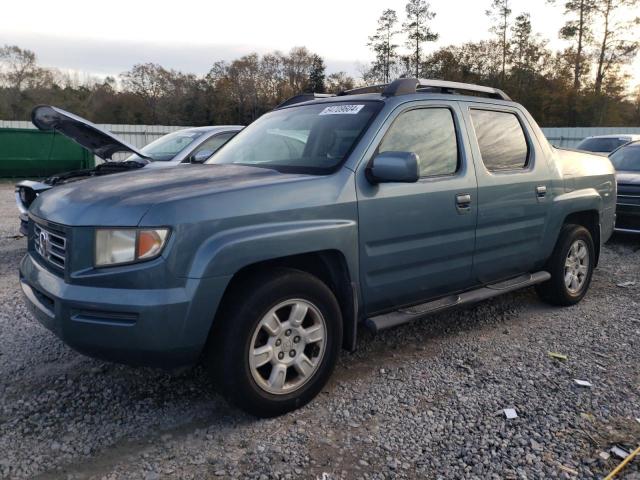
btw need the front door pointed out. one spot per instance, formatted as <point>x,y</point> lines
<point>416,240</point>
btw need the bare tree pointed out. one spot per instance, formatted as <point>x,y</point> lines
<point>149,81</point>
<point>339,82</point>
<point>19,67</point>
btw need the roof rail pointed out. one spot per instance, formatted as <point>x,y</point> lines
<point>303,97</point>
<point>403,86</point>
<point>368,89</point>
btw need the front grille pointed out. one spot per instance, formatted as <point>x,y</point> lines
<point>51,245</point>
<point>628,195</point>
<point>628,199</point>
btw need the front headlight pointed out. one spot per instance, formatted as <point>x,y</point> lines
<point>128,245</point>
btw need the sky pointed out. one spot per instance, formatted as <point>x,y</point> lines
<point>107,38</point>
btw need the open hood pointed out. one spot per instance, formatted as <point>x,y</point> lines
<point>98,141</point>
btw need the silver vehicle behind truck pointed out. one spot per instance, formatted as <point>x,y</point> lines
<point>187,145</point>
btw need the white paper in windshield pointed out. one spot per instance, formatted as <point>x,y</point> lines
<point>341,110</point>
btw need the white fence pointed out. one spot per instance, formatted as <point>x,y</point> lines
<point>569,137</point>
<point>140,135</point>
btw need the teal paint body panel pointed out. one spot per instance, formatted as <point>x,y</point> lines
<point>402,243</point>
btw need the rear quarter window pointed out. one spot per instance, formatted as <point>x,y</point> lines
<point>501,140</point>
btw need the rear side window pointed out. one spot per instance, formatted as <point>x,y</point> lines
<point>501,139</point>
<point>430,133</point>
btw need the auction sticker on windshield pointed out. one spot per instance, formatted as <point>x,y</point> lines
<point>341,110</point>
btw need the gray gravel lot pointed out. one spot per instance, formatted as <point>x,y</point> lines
<point>420,401</point>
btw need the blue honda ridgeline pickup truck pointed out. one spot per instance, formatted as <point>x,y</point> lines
<point>377,207</point>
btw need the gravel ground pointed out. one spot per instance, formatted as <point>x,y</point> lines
<point>420,401</point>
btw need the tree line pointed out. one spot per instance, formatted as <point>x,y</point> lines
<point>234,92</point>
<point>583,84</point>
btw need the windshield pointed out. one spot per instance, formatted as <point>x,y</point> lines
<point>168,146</point>
<point>303,139</point>
<point>627,158</point>
<point>601,144</point>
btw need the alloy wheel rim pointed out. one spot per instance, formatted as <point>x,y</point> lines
<point>287,346</point>
<point>576,266</point>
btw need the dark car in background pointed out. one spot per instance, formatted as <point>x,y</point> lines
<point>188,145</point>
<point>605,143</point>
<point>626,161</point>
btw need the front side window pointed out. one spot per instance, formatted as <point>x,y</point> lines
<point>168,146</point>
<point>430,133</point>
<point>306,138</point>
<point>501,140</point>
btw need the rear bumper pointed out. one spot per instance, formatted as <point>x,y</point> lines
<point>150,327</point>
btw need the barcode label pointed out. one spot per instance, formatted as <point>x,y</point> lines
<point>342,110</point>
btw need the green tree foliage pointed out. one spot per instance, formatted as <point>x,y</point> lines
<point>417,29</point>
<point>317,75</point>
<point>384,47</point>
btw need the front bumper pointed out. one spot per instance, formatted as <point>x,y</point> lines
<point>151,327</point>
<point>627,218</point>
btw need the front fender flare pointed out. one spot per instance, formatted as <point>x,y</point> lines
<point>226,252</point>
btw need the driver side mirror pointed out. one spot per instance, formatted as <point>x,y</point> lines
<point>202,156</point>
<point>388,167</point>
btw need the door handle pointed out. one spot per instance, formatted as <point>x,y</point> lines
<point>463,202</point>
<point>541,191</point>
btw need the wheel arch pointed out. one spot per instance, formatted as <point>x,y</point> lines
<point>330,266</point>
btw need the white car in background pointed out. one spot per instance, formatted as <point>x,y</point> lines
<point>605,143</point>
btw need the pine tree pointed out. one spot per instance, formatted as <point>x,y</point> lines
<point>416,28</point>
<point>317,75</point>
<point>500,13</point>
<point>382,45</point>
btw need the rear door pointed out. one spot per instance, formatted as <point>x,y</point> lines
<point>514,188</point>
<point>416,240</point>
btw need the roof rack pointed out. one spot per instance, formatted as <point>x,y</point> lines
<point>368,89</point>
<point>303,97</point>
<point>403,86</point>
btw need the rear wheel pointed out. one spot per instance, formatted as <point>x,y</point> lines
<point>571,267</point>
<point>274,348</point>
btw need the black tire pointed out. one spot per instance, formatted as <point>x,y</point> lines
<point>555,291</point>
<point>243,308</point>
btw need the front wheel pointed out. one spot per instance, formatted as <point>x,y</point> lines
<point>571,267</point>
<point>276,342</point>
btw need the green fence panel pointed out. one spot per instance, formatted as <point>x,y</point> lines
<point>32,153</point>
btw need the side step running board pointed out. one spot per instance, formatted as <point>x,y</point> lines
<point>405,315</point>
